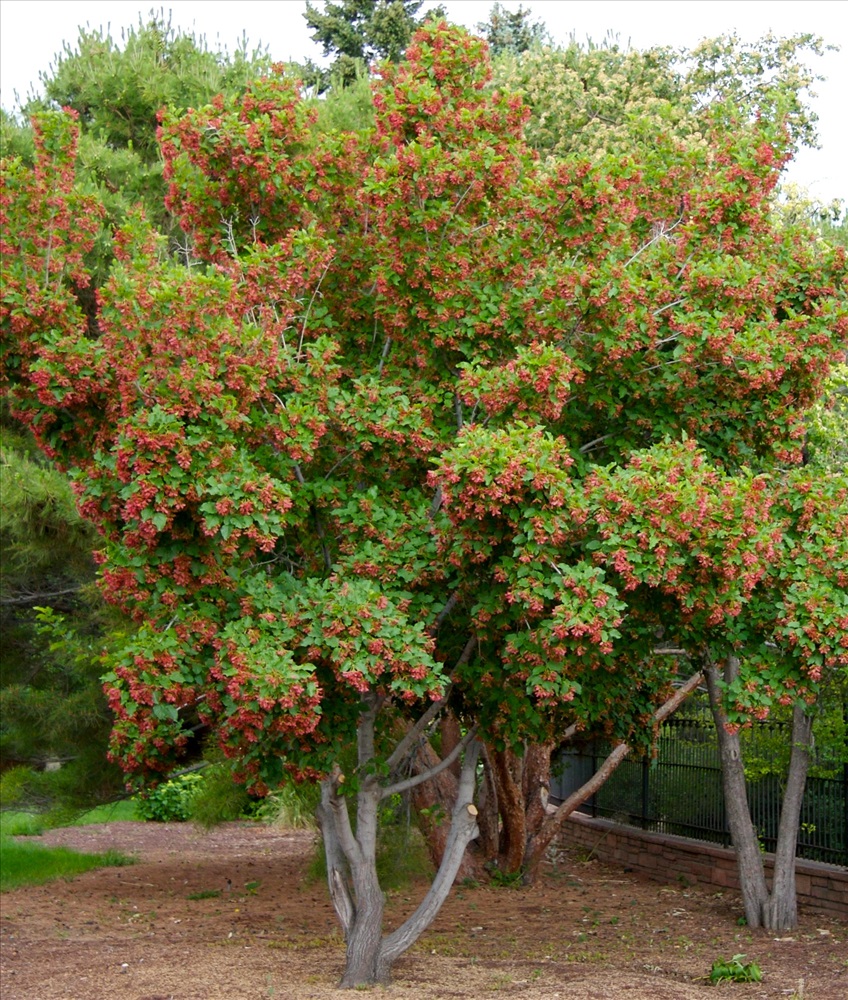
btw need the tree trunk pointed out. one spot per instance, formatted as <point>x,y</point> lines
<point>743,833</point>
<point>351,858</point>
<point>539,842</point>
<point>488,819</point>
<point>776,910</point>
<point>781,911</point>
<point>507,774</point>
<point>364,962</point>
<point>521,786</point>
<point>536,786</point>
<point>352,879</point>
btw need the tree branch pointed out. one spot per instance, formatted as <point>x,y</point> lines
<point>29,598</point>
<point>450,604</point>
<point>419,779</point>
<point>417,729</point>
<point>463,829</point>
<point>436,504</point>
<point>553,823</point>
<point>424,721</point>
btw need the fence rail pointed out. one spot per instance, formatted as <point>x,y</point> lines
<point>680,790</point>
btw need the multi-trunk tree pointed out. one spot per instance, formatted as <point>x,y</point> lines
<point>420,424</point>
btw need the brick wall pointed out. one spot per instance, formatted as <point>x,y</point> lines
<point>664,857</point>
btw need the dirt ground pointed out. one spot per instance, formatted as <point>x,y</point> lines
<point>257,928</point>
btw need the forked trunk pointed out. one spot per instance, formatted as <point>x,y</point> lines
<point>520,784</point>
<point>351,858</point>
<point>776,910</point>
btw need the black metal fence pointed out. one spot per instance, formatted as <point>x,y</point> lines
<point>679,791</point>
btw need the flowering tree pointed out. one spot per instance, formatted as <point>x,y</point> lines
<point>420,424</point>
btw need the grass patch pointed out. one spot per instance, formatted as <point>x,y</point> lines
<point>113,812</point>
<point>20,824</point>
<point>31,864</point>
<point>205,894</point>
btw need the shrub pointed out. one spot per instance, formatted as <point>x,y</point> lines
<point>218,798</point>
<point>170,802</point>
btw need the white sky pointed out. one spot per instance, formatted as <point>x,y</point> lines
<point>32,32</point>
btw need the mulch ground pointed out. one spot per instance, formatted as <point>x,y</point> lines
<point>231,914</point>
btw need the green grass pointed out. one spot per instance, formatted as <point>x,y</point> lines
<point>31,864</point>
<point>23,863</point>
<point>112,813</point>
<point>20,824</point>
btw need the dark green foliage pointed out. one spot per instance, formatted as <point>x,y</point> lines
<point>345,108</point>
<point>46,545</point>
<point>15,138</point>
<point>54,622</point>
<point>359,32</point>
<point>53,707</point>
<point>512,31</point>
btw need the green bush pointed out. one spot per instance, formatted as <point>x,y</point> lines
<point>218,798</point>
<point>170,802</point>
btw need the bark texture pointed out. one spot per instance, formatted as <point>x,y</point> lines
<point>351,857</point>
<point>775,910</point>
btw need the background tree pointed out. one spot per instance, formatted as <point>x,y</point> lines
<point>606,98</point>
<point>118,87</point>
<point>52,705</point>
<point>361,32</point>
<point>512,31</point>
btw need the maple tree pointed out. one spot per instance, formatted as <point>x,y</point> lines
<point>420,423</point>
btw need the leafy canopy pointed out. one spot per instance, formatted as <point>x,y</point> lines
<point>417,416</point>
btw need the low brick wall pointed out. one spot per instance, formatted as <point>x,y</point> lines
<point>666,857</point>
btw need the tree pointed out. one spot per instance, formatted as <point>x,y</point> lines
<point>360,32</point>
<point>118,88</point>
<point>421,424</point>
<point>598,100</point>
<point>765,611</point>
<point>512,31</point>
<point>605,98</point>
<point>811,609</point>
